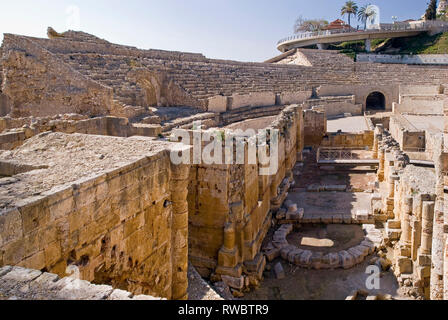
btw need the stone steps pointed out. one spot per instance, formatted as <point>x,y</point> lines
<point>204,78</point>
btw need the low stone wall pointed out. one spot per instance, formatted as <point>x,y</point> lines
<point>373,121</point>
<point>432,59</point>
<point>335,105</point>
<point>315,124</point>
<point>242,114</point>
<point>421,90</point>
<point>409,138</point>
<point>287,98</point>
<point>218,104</point>
<point>349,140</point>
<point>255,124</point>
<point>256,99</point>
<point>18,283</point>
<point>107,126</point>
<point>127,227</point>
<point>226,245</point>
<point>39,84</point>
<point>5,108</point>
<point>361,92</point>
<point>11,140</point>
<point>344,259</point>
<point>420,104</point>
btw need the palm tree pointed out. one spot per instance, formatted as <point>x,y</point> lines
<point>350,8</point>
<point>364,14</point>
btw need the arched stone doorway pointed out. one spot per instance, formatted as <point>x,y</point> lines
<point>376,101</point>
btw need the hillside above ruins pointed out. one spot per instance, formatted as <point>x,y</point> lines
<point>421,44</point>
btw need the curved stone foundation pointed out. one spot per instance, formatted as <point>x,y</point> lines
<point>315,259</point>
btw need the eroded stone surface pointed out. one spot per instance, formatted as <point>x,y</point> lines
<point>17,283</point>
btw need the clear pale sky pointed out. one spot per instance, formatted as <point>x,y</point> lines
<point>245,30</point>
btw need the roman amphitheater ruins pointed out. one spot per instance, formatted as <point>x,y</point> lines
<point>88,185</point>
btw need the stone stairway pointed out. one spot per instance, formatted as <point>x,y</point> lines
<point>203,78</point>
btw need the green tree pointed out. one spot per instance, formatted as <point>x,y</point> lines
<point>364,14</point>
<point>431,12</point>
<point>350,8</point>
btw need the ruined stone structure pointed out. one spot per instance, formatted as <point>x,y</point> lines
<point>88,183</point>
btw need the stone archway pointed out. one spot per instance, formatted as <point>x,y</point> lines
<point>376,101</point>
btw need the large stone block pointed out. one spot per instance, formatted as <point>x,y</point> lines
<point>404,265</point>
<point>217,104</point>
<point>10,226</point>
<point>297,97</point>
<point>255,99</point>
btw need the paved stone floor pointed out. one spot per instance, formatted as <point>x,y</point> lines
<point>346,204</point>
<point>309,173</point>
<point>304,284</point>
<point>349,124</point>
<point>310,284</point>
<point>431,123</point>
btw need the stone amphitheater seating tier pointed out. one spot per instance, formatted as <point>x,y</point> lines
<point>206,79</point>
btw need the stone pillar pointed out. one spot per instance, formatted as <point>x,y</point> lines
<point>179,233</point>
<point>300,133</point>
<point>427,227</point>
<point>382,155</point>
<point>438,241</point>
<point>391,194</point>
<point>416,237</point>
<point>438,245</point>
<point>445,272</point>
<point>368,45</point>
<point>228,256</point>
<point>248,230</point>
<point>229,237</point>
<point>417,223</point>
<point>376,143</point>
<point>445,261</point>
<point>406,237</point>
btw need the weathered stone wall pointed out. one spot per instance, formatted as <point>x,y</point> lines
<point>229,208</point>
<point>11,140</point>
<point>420,59</point>
<point>256,99</point>
<point>235,116</point>
<point>287,98</point>
<point>409,137</point>
<point>127,227</point>
<point>361,92</point>
<point>38,83</point>
<point>420,104</point>
<point>349,140</point>
<point>254,124</point>
<point>413,212</point>
<point>148,77</point>
<point>335,105</point>
<point>107,126</point>
<point>18,283</point>
<point>421,89</point>
<point>315,123</point>
<point>4,104</point>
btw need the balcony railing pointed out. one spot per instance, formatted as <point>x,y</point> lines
<point>423,26</point>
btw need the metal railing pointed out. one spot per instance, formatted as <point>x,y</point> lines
<point>419,26</point>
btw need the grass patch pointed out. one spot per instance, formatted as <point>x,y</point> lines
<point>375,43</point>
<point>421,44</point>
